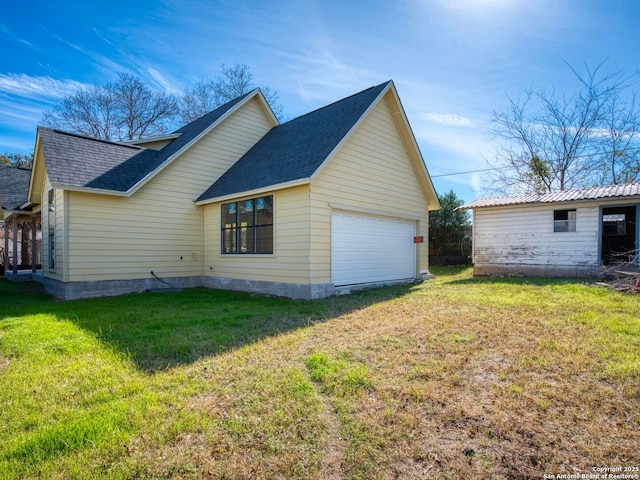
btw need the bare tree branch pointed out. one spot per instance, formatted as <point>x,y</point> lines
<point>124,110</point>
<point>233,82</point>
<point>554,142</point>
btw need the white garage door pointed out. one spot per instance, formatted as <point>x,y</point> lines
<point>365,249</point>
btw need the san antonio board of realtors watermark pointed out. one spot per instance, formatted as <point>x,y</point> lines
<point>599,473</point>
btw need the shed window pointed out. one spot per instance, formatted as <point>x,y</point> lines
<point>247,226</point>
<point>564,220</point>
<point>615,224</point>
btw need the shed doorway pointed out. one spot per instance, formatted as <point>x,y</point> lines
<point>618,235</point>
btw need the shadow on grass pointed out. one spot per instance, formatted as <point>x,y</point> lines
<point>463,275</point>
<point>159,331</point>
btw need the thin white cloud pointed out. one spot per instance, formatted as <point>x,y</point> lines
<point>102,37</point>
<point>162,81</point>
<point>107,65</point>
<point>321,74</point>
<point>24,85</point>
<point>9,33</point>
<point>448,119</point>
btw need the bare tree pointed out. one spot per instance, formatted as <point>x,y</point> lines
<point>124,110</point>
<point>20,160</point>
<point>233,82</point>
<point>620,143</point>
<point>90,111</point>
<point>141,111</point>
<point>555,141</point>
<point>128,109</point>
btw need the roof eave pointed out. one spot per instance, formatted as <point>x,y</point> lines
<point>81,189</point>
<point>432,197</point>
<point>623,198</point>
<point>33,167</point>
<point>255,191</point>
<point>139,141</point>
<point>348,135</point>
<point>195,139</point>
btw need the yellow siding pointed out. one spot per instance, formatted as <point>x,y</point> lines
<point>37,176</point>
<point>53,222</point>
<point>290,260</point>
<point>158,228</point>
<point>372,172</point>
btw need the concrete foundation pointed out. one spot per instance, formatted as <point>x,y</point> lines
<point>542,271</point>
<point>290,290</point>
<point>110,288</point>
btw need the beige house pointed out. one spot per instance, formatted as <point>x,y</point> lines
<point>332,200</point>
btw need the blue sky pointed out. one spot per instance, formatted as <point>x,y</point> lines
<point>453,61</point>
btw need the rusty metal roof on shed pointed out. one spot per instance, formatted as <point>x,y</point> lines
<point>629,190</point>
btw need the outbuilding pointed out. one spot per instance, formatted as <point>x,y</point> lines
<point>570,233</point>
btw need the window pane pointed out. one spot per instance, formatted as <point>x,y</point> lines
<point>560,215</point>
<point>264,210</point>
<point>247,226</point>
<point>52,201</point>
<point>264,240</point>
<point>52,251</point>
<point>245,210</point>
<point>229,240</point>
<point>564,221</point>
<point>246,240</point>
<point>229,215</point>
<point>614,224</point>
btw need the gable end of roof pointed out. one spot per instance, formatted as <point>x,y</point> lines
<point>293,151</point>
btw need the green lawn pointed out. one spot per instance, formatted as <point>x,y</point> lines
<point>529,377</point>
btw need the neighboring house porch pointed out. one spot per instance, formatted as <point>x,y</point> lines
<point>20,236</point>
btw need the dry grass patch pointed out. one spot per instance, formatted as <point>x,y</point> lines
<point>457,378</point>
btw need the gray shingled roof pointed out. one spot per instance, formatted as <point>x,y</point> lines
<point>77,161</point>
<point>595,193</point>
<point>296,149</point>
<point>14,187</point>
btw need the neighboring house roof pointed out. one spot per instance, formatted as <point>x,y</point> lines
<point>14,187</point>
<point>78,162</point>
<point>629,190</point>
<point>296,149</point>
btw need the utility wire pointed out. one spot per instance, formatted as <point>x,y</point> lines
<point>631,150</point>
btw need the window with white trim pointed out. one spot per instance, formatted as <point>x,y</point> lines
<point>247,226</point>
<point>564,220</point>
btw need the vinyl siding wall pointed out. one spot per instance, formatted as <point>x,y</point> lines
<point>371,173</point>
<point>158,228</point>
<point>290,260</point>
<point>520,239</point>
<point>53,222</point>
